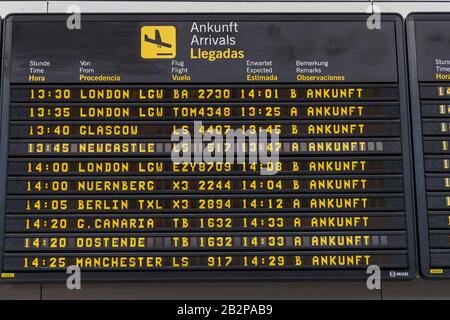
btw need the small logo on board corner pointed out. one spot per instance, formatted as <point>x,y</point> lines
<point>399,274</point>
<point>158,42</point>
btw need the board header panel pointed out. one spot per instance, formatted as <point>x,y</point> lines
<point>212,49</point>
<point>92,119</point>
<point>432,51</point>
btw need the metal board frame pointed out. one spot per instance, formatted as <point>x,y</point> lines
<point>419,164</point>
<point>226,274</point>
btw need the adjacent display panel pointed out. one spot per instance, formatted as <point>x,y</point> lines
<point>95,121</point>
<point>428,49</point>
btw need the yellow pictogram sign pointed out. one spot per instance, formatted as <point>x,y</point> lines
<point>158,42</point>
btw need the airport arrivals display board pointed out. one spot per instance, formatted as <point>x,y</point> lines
<point>428,50</point>
<point>206,147</point>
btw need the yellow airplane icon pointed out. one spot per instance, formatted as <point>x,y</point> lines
<point>158,42</point>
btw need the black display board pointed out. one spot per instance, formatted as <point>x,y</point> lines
<point>89,180</point>
<point>428,48</point>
